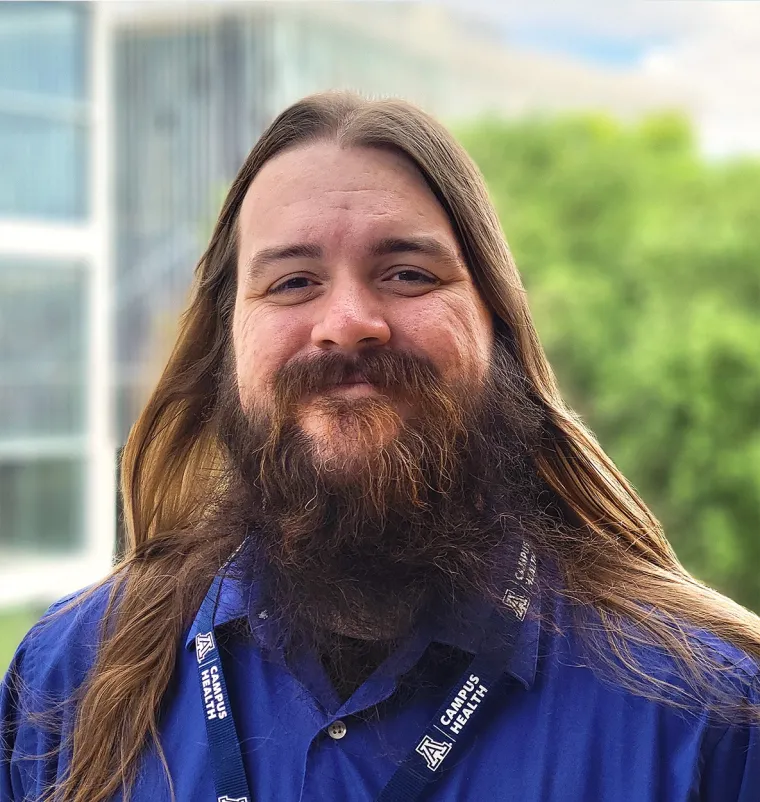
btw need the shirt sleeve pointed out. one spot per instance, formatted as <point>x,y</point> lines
<point>732,771</point>
<point>8,706</point>
<point>12,786</point>
<point>33,717</point>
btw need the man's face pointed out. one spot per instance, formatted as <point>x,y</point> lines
<point>343,251</point>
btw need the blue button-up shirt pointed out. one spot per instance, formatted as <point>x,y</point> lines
<point>553,730</point>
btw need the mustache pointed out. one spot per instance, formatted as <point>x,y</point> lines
<point>394,372</point>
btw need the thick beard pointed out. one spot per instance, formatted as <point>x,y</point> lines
<point>407,529</point>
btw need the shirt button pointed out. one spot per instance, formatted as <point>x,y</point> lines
<point>336,730</point>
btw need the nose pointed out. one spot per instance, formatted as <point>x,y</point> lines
<point>350,320</point>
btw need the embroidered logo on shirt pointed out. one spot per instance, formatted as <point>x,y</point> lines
<point>517,603</point>
<point>433,751</point>
<point>226,798</point>
<point>526,566</point>
<point>204,643</point>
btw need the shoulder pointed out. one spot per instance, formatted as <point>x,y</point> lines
<point>36,695</point>
<point>677,666</point>
<point>731,769</point>
<point>58,651</point>
<point>696,699</point>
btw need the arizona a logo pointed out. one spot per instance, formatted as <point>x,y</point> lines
<point>433,751</point>
<point>517,603</point>
<point>204,643</point>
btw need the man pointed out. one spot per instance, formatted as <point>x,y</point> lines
<point>373,555</point>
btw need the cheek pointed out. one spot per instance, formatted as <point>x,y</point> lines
<point>263,342</point>
<point>252,361</point>
<point>457,335</point>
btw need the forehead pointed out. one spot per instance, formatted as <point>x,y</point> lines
<point>338,196</point>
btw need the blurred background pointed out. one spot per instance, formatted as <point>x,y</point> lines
<point>621,143</point>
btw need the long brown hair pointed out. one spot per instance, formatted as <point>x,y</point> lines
<point>615,561</point>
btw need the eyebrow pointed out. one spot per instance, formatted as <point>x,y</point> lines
<point>270,256</point>
<point>428,246</point>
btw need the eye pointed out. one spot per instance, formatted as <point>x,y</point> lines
<point>409,275</point>
<point>292,284</point>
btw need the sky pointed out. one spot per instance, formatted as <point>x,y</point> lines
<point>710,47</point>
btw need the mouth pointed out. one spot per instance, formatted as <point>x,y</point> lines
<point>353,386</point>
<point>353,379</point>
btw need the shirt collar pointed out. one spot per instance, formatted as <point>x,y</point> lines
<point>515,630</point>
<point>521,652</point>
<point>235,600</point>
<point>522,609</point>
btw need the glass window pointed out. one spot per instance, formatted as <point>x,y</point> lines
<point>44,111</point>
<point>43,167</point>
<point>41,505</point>
<point>43,349</point>
<point>43,49</point>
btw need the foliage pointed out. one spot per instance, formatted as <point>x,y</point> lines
<point>14,624</point>
<point>642,263</point>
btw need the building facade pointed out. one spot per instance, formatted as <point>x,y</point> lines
<point>56,450</point>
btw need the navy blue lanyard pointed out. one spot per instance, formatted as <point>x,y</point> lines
<point>439,743</point>
<point>226,761</point>
<point>443,738</point>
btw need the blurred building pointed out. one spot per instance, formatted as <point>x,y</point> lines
<point>56,448</point>
<point>121,125</point>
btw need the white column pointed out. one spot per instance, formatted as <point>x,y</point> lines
<point>101,485</point>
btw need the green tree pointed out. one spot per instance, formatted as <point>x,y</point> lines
<point>642,263</point>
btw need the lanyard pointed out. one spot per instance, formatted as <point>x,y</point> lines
<point>442,739</point>
<point>226,761</point>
